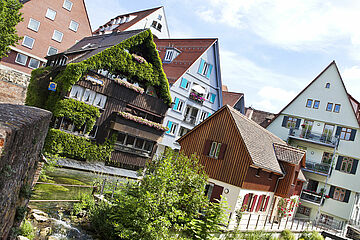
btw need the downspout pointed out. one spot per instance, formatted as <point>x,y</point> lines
<point>276,186</point>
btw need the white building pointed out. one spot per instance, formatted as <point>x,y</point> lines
<point>323,119</point>
<point>192,67</point>
<point>150,18</point>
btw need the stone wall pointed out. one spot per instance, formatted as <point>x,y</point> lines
<point>13,85</point>
<point>22,133</point>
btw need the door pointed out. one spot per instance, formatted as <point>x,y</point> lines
<point>327,133</point>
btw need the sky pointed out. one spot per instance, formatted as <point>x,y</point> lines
<point>269,49</point>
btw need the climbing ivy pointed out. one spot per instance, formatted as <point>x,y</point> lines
<point>78,112</point>
<point>76,147</point>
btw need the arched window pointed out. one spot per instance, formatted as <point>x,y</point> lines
<point>327,85</point>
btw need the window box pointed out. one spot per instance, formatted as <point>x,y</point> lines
<point>197,98</point>
<point>138,58</point>
<point>143,121</point>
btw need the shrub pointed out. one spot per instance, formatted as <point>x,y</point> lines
<point>306,235</point>
<point>27,230</point>
<point>287,235</point>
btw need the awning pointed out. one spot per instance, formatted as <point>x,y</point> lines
<point>199,89</point>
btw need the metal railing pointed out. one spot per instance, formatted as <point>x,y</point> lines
<point>321,138</point>
<point>190,119</point>
<point>317,167</point>
<point>311,196</point>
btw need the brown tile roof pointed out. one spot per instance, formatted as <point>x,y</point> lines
<point>122,27</point>
<point>231,98</point>
<point>259,142</point>
<point>191,50</point>
<point>288,153</point>
<point>260,117</point>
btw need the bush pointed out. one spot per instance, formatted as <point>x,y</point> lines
<point>27,230</point>
<point>86,203</point>
<point>287,235</point>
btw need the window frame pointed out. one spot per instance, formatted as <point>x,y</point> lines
<point>77,27</point>
<point>309,100</point>
<point>26,59</point>
<point>48,12</point>
<point>212,149</point>
<point>327,106</point>
<point>337,105</point>
<point>172,131</point>
<point>327,85</point>
<point>290,121</point>
<point>49,50</point>
<point>34,20</point>
<point>35,60</point>
<point>339,194</point>
<point>71,5</point>
<point>316,101</point>
<point>180,105</point>
<point>187,84</point>
<point>327,157</point>
<point>346,164</point>
<point>344,133</point>
<point>23,42</point>
<point>53,38</point>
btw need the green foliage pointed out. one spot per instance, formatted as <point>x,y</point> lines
<point>306,235</point>
<point>37,91</point>
<point>86,203</point>
<point>78,112</point>
<point>20,213</point>
<point>27,230</point>
<point>255,235</point>
<point>287,235</point>
<point>49,166</point>
<point>25,191</point>
<point>9,18</point>
<point>164,204</point>
<point>76,147</point>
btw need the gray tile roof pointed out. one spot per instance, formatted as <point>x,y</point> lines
<point>288,153</point>
<point>259,142</point>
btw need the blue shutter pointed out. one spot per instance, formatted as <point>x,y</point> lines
<point>169,126</point>
<point>201,66</point>
<point>212,99</point>
<point>209,114</point>
<point>176,103</point>
<point>209,71</point>
<point>183,83</point>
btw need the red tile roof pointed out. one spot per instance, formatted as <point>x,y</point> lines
<point>124,26</point>
<point>191,50</point>
<point>260,117</point>
<point>231,98</point>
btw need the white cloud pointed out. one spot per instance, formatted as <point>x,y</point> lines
<point>295,25</point>
<point>351,77</point>
<point>264,89</point>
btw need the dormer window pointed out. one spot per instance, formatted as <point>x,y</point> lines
<point>171,54</point>
<point>327,85</point>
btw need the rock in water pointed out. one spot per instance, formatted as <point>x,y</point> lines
<point>40,218</point>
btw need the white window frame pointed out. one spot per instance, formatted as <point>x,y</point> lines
<point>169,55</point>
<point>205,68</point>
<point>103,101</point>
<point>53,37</point>
<point>49,13</point>
<point>180,106</point>
<point>88,93</point>
<point>49,50</point>
<point>36,22</point>
<point>23,42</point>
<point>21,62</point>
<point>203,116</point>
<point>173,128</point>
<point>77,26</point>
<point>71,4</point>
<point>35,60</point>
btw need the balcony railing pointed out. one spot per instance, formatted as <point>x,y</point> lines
<point>314,137</point>
<point>322,168</point>
<point>197,98</point>
<point>132,150</point>
<point>311,196</point>
<point>330,223</point>
<point>190,119</point>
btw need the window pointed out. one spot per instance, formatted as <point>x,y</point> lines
<point>74,25</point>
<point>309,103</point>
<point>34,63</point>
<point>327,85</point>
<point>345,133</point>
<point>304,210</point>
<point>337,108</point>
<point>178,106</point>
<point>159,26</point>
<point>203,116</point>
<point>215,149</point>
<point>316,104</point>
<point>50,14</point>
<point>159,17</point>
<point>327,157</point>
<point>172,128</point>
<point>28,42</point>
<point>88,96</point>
<point>329,107</point>
<point>67,5</point>
<point>100,100</point>
<point>291,122</point>
<point>168,55</point>
<point>57,36</point>
<point>77,92</point>
<point>34,25</point>
<point>21,59</point>
<point>184,83</point>
<point>212,97</point>
<point>339,194</point>
<point>205,68</point>
<point>52,51</point>
<point>346,164</point>
<point>137,143</point>
<point>153,24</point>
<point>183,131</point>
<point>257,174</point>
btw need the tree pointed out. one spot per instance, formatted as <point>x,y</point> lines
<point>167,203</point>
<point>9,18</point>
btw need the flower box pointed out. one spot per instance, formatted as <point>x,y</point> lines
<point>129,85</point>
<point>138,58</point>
<point>196,98</point>
<point>143,121</point>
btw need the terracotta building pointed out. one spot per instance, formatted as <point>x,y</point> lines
<point>246,164</point>
<point>48,27</point>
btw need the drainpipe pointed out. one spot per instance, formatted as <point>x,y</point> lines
<point>276,186</point>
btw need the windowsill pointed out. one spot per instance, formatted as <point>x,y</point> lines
<point>26,46</point>
<point>33,29</point>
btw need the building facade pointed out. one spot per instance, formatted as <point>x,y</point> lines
<point>323,119</point>
<point>104,107</point>
<point>251,175</point>
<point>48,27</point>
<point>193,69</point>
<point>153,19</point>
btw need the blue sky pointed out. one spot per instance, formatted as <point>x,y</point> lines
<point>269,49</point>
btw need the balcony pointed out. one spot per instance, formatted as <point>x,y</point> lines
<point>319,168</point>
<point>311,196</point>
<point>196,98</point>
<point>313,137</point>
<point>190,119</point>
<point>132,150</point>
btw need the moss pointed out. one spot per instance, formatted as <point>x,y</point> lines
<point>65,180</point>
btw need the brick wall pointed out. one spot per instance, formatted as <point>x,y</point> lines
<point>22,133</point>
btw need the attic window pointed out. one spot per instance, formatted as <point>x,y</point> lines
<point>154,23</point>
<point>258,172</point>
<point>327,85</point>
<point>171,54</point>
